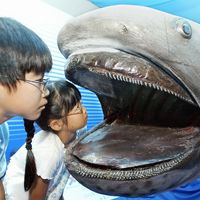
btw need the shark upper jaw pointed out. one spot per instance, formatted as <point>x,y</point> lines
<point>119,66</point>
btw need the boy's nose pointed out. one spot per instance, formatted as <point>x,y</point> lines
<point>45,92</point>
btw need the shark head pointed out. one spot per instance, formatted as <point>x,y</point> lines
<point>143,64</point>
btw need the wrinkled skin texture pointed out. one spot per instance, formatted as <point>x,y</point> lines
<point>143,64</point>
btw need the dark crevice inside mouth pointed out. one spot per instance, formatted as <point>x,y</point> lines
<point>137,104</point>
<point>147,106</point>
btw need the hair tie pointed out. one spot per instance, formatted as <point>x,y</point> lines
<point>28,143</point>
<point>29,146</point>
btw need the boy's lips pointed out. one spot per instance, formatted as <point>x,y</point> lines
<point>42,106</point>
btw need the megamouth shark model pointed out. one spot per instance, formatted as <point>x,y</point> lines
<point>144,66</point>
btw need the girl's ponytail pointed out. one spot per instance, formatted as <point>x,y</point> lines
<point>30,167</point>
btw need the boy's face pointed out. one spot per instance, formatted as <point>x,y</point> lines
<point>28,100</point>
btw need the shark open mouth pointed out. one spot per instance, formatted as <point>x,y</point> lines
<point>151,124</point>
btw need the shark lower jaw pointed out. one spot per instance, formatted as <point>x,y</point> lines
<point>142,151</point>
<point>132,181</point>
<point>94,166</point>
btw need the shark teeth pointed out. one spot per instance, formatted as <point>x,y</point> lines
<point>120,77</point>
<point>128,174</point>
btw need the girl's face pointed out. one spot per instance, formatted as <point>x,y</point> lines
<point>77,117</point>
<point>28,100</point>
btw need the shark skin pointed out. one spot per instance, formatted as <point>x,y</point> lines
<point>143,64</point>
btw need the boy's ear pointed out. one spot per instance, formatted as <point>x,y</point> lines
<point>56,124</point>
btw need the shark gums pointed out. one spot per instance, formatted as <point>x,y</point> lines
<point>144,66</point>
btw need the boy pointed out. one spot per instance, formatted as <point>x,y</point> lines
<point>24,59</point>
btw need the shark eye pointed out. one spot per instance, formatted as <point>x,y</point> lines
<point>184,28</point>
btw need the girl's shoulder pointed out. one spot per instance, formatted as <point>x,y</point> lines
<point>48,146</point>
<point>44,138</point>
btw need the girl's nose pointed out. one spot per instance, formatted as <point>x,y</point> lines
<point>84,109</point>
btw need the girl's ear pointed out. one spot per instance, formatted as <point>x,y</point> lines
<point>56,124</point>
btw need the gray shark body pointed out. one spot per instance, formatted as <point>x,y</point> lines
<point>143,64</point>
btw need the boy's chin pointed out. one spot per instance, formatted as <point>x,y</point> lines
<point>33,116</point>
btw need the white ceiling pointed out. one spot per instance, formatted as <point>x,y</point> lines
<point>72,7</point>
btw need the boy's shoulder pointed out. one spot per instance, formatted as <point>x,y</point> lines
<point>4,136</point>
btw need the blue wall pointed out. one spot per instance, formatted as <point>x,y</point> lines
<point>185,8</point>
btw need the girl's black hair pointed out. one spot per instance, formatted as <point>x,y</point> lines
<point>63,96</point>
<point>21,51</point>
<point>30,167</point>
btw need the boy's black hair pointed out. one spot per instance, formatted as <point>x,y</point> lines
<point>21,51</point>
<point>63,96</point>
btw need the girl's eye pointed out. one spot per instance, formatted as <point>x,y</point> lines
<point>77,107</point>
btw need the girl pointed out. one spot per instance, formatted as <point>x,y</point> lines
<point>45,173</point>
